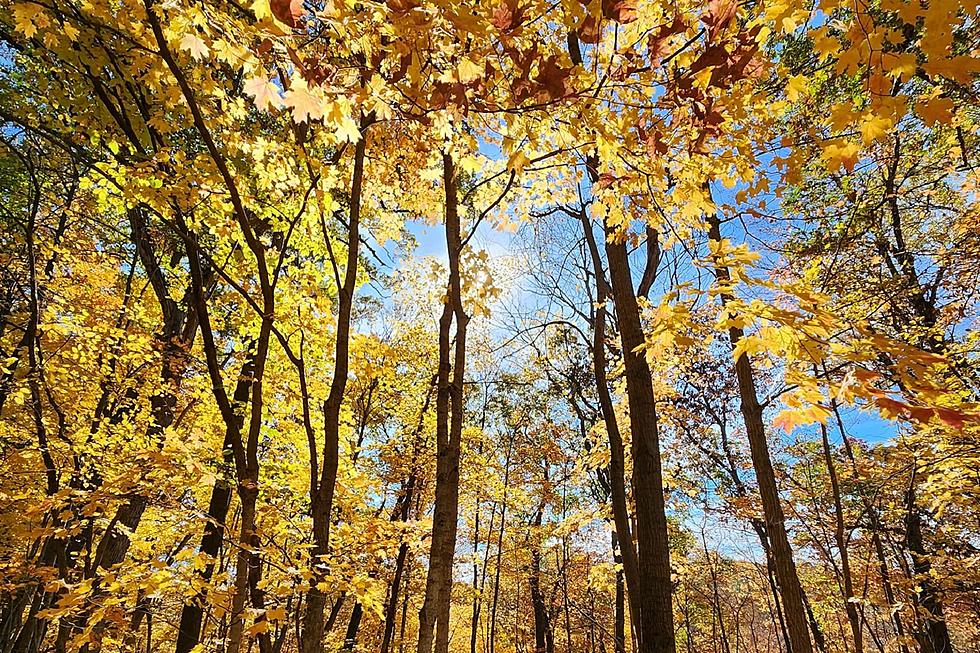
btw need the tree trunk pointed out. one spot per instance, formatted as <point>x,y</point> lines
<point>322,490</point>
<point>785,568</point>
<point>353,625</point>
<point>544,638</point>
<point>401,513</point>
<point>192,613</point>
<point>933,635</point>
<point>494,602</point>
<point>655,620</point>
<point>619,614</point>
<point>434,615</point>
<point>853,617</point>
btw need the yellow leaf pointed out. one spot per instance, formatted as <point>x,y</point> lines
<point>257,628</point>
<point>902,66</point>
<point>275,614</point>
<point>935,110</point>
<point>874,128</point>
<point>517,161</point>
<point>28,17</point>
<point>305,106</point>
<point>264,92</point>
<point>826,46</point>
<point>193,44</point>
<point>837,154</point>
<point>796,87</point>
<point>348,130</point>
<point>467,71</point>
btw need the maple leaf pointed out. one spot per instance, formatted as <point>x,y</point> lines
<point>891,408</point>
<point>553,77</point>
<point>713,55</point>
<point>874,127</point>
<point>902,66</point>
<point>790,418</point>
<point>517,161</point>
<point>468,71</point>
<point>288,12</point>
<point>590,30</point>
<point>720,13</point>
<point>193,44</point>
<point>621,11</point>
<point>826,46</point>
<point>657,41</point>
<point>257,628</point>
<point>837,154</point>
<point>348,130</point>
<point>608,179</point>
<point>264,92</point>
<point>71,32</point>
<point>402,6</point>
<point>28,17</point>
<point>935,110</point>
<point>795,87</point>
<point>506,15</point>
<point>304,105</point>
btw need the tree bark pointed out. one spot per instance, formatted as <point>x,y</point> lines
<point>544,638</point>
<point>853,618</point>
<point>192,613</point>
<point>655,619</point>
<point>933,635</point>
<point>322,490</point>
<point>617,456</point>
<point>434,615</point>
<point>401,513</point>
<point>785,568</point>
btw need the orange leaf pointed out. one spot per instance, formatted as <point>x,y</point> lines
<point>287,11</point>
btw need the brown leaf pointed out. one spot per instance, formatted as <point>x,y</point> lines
<point>720,13</point>
<point>657,41</point>
<point>714,55</point>
<point>552,76</point>
<point>621,11</point>
<point>607,179</point>
<point>398,73</point>
<point>507,15</point>
<point>287,11</point>
<point>402,6</point>
<point>589,31</point>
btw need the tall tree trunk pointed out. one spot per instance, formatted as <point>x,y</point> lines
<point>401,513</point>
<point>434,615</point>
<point>544,638</point>
<point>174,339</point>
<point>245,453</point>
<point>655,619</point>
<point>494,602</point>
<point>322,490</point>
<point>853,617</point>
<point>353,625</point>
<point>619,608</point>
<point>872,512</point>
<point>652,608</point>
<point>789,583</point>
<point>192,613</point>
<point>617,455</point>
<point>933,635</point>
<point>475,613</point>
<point>647,567</point>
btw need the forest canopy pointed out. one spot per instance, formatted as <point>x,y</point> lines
<point>489,326</point>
